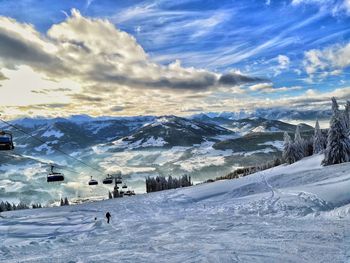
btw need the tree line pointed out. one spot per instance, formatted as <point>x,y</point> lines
<point>160,183</point>
<point>244,171</point>
<point>64,202</point>
<point>334,142</point>
<point>6,206</point>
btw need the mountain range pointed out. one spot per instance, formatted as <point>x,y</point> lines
<point>201,146</point>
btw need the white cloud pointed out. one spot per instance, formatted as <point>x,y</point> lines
<point>283,61</point>
<point>328,61</point>
<point>103,62</point>
<point>335,7</point>
<point>269,88</point>
<point>283,64</point>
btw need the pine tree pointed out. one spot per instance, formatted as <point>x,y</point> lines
<point>318,140</point>
<point>287,145</point>
<point>338,142</point>
<point>61,202</point>
<point>299,145</point>
<point>66,201</point>
<point>346,116</point>
<point>110,195</point>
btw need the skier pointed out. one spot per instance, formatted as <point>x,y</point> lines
<point>108,216</point>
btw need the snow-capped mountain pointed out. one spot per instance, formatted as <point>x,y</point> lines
<point>137,146</point>
<point>258,124</point>
<point>270,113</point>
<point>170,131</point>
<point>290,213</point>
<point>253,124</point>
<point>71,134</point>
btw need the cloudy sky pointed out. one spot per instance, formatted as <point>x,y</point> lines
<point>113,57</point>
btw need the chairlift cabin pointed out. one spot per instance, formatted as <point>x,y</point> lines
<point>118,180</point>
<point>93,182</point>
<point>6,141</point>
<point>54,177</point>
<point>108,180</point>
<point>124,186</point>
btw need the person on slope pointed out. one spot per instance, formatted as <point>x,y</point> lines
<point>108,216</point>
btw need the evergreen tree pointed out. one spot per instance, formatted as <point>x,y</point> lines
<point>338,142</point>
<point>110,195</point>
<point>66,201</point>
<point>286,148</point>
<point>346,116</point>
<point>299,145</point>
<point>318,140</point>
<point>61,202</point>
<point>291,151</point>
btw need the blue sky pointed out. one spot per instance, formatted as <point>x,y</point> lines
<point>289,49</point>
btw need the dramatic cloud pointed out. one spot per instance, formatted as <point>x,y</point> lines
<point>88,65</point>
<point>233,79</point>
<point>89,61</point>
<point>95,51</point>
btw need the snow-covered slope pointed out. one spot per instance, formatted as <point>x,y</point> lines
<point>295,213</point>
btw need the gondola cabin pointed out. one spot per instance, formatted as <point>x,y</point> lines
<point>54,177</point>
<point>108,180</point>
<point>6,142</point>
<point>118,180</point>
<point>93,182</point>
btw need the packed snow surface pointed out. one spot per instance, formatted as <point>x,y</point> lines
<point>290,213</point>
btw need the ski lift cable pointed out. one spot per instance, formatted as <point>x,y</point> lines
<point>58,150</point>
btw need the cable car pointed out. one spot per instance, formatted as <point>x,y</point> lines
<point>118,180</point>
<point>54,177</point>
<point>6,142</point>
<point>108,180</point>
<point>93,182</point>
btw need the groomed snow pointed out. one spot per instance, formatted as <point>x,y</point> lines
<point>290,213</point>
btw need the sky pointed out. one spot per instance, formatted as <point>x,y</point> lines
<point>127,58</point>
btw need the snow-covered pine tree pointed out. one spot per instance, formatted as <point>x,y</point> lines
<point>299,145</point>
<point>318,144</point>
<point>347,116</point>
<point>61,202</point>
<point>338,142</point>
<point>287,149</point>
<point>66,202</point>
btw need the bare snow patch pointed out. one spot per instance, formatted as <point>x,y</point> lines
<point>276,144</point>
<point>52,133</point>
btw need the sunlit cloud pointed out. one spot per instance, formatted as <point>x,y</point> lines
<point>86,62</point>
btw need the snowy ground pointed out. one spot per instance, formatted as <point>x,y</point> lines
<point>296,213</point>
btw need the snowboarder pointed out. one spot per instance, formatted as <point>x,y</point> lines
<point>108,216</point>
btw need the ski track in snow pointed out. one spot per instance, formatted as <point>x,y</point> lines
<point>285,214</point>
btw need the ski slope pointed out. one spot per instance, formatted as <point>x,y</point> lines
<point>290,213</point>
